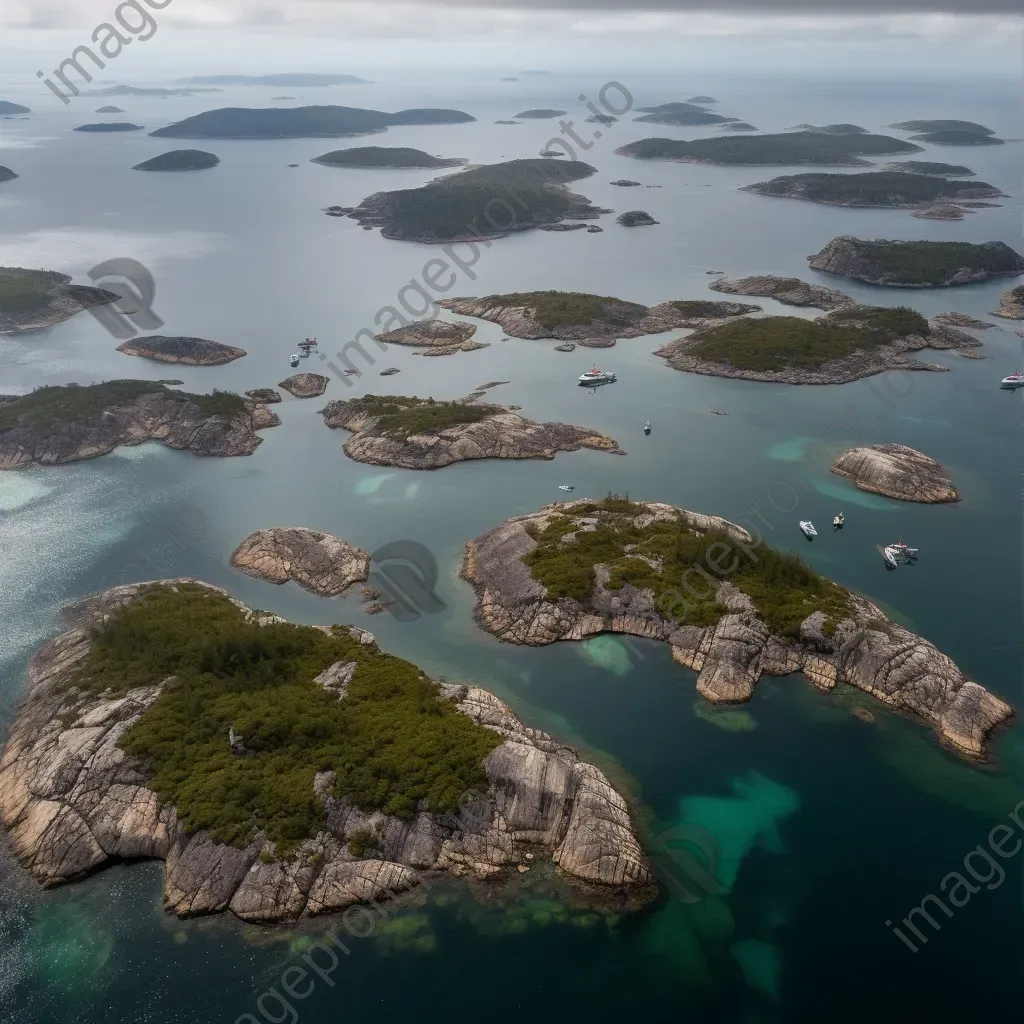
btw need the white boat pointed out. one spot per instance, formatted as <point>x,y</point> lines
<point>566,487</point>
<point>838,521</point>
<point>891,554</point>
<point>907,553</point>
<point>1015,380</point>
<point>808,527</point>
<point>294,360</point>
<point>594,376</point>
<point>647,427</point>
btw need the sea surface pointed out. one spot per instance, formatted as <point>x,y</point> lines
<point>826,826</point>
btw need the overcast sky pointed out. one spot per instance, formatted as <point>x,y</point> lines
<point>258,36</point>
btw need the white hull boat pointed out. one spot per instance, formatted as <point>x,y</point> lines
<point>1015,380</point>
<point>808,528</point>
<point>891,555</point>
<point>566,487</point>
<point>294,360</point>
<point>594,376</point>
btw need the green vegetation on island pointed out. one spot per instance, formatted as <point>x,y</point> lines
<point>1017,294</point>
<point>833,129</point>
<point>179,160</point>
<point>946,132</point>
<point>783,589</point>
<point>407,417</point>
<point>807,147</point>
<point>775,343</point>
<point>873,188</point>
<point>553,309</point>
<point>6,174</point>
<point>384,156</point>
<point>680,114</point>
<point>483,202</point>
<point>931,167</point>
<point>31,299</point>
<point>110,126</point>
<point>299,122</point>
<point>25,292</point>
<point>539,113</point>
<point>391,742</point>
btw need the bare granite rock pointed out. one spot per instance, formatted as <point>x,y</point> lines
<point>426,333</point>
<point>867,650</point>
<point>316,561</point>
<point>897,472</point>
<point>191,351</point>
<point>962,320</point>
<point>306,385</point>
<point>72,800</point>
<point>1011,304</point>
<point>268,396</point>
<point>790,291</point>
<point>502,435</point>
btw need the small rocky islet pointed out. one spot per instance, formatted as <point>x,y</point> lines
<point>164,768</point>
<point>790,291</point>
<point>190,351</point>
<point>179,160</point>
<point>437,337</point>
<point>318,562</point>
<point>896,471</point>
<point>32,299</point>
<point>58,424</point>
<point>305,385</point>
<point>635,219</point>
<point>577,569</point>
<point>421,433</point>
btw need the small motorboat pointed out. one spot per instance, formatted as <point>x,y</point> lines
<point>594,376</point>
<point>808,527</point>
<point>891,554</point>
<point>838,522</point>
<point>647,427</point>
<point>567,487</point>
<point>294,360</point>
<point>1015,380</point>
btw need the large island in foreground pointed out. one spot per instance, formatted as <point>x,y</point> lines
<point>319,774</point>
<point>575,569</point>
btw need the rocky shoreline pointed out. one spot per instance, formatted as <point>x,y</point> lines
<point>73,801</point>
<point>438,337</point>
<point>866,650</point>
<point>896,471</point>
<point>790,291</point>
<point>318,562</point>
<point>1011,304</point>
<point>58,299</point>
<point>190,351</point>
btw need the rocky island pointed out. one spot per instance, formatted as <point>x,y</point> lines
<point>578,316</point>
<point>940,211</point>
<point>485,202</point>
<point>54,425</point>
<point>305,385</point>
<point>931,167</point>
<point>438,336</point>
<point>895,189</point>
<point>845,345</point>
<point>945,132</point>
<point>333,775</point>
<point>420,433</point>
<point>190,351</point>
<point>32,299</point>
<point>784,149</point>
<point>299,122</point>
<point>1011,304</point>
<point>266,396</point>
<point>897,472</point>
<point>318,562</point>
<point>109,126</point>
<point>790,291</point>
<point>6,174</point>
<point>635,219</point>
<point>179,160</point>
<point>380,157</point>
<point>576,569</point>
<point>917,264</point>
<point>680,114</point>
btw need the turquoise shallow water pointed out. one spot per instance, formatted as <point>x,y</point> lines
<point>826,826</point>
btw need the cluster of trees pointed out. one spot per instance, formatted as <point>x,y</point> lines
<point>407,416</point>
<point>553,309</point>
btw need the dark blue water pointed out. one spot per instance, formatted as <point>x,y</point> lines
<point>827,825</point>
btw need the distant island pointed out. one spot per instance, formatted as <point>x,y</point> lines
<point>680,114</point>
<point>846,344</point>
<point>459,206</point>
<point>575,569</point>
<point>109,110</point>
<point>895,189</point>
<point>579,316</point>
<point>109,126</point>
<point>931,167</point>
<point>790,291</point>
<point>299,122</point>
<point>421,433</point>
<point>539,113</point>
<point>701,100</point>
<point>785,148</point>
<point>950,132</point>
<point>190,351</point>
<point>897,472</point>
<point>318,562</point>
<point>917,264</point>
<point>384,156</point>
<point>635,219</point>
<point>600,119</point>
<point>6,174</point>
<point>288,80</point>
<point>133,90</point>
<point>739,126</point>
<point>54,425</point>
<point>833,129</point>
<point>286,770</point>
<point>31,299</point>
<point>1011,304</point>
<point>179,160</point>
<point>6,107</point>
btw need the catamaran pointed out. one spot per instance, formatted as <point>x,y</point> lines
<point>594,376</point>
<point>808,527</point>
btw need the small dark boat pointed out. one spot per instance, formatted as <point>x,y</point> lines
<point>647,427</point>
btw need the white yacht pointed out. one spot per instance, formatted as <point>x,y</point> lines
<point>1015,380</point>
<point>808,527</point>
<point>294,360</point>
<point>594,376</point>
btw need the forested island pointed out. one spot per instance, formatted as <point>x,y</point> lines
<point>931,167</point>
<point>539,113</point>
<point>190,351</point>
<point>299,122</point>
<point>179,160</point>
<point>6,174</point>
<point>31,299</point>
<point>582,317</point>
<point>421,433</point>
<point>576,569</point>
<point>846,344</point>
<point>786,148</point>
<point>483,202</point>
<point>680,114</point>
<point>109,126</point>
<point>6,108</point>
<point>384,156</point>
<point>109,110</point>
<point>917,264</point>
<point>54,425</point>
<point>901,190</point>
<point>833,129</point>
<point>945,132</point>
<point>317,773</point>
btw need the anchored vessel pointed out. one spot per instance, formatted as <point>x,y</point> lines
<point>594,376</point>
<point>808,527</point>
